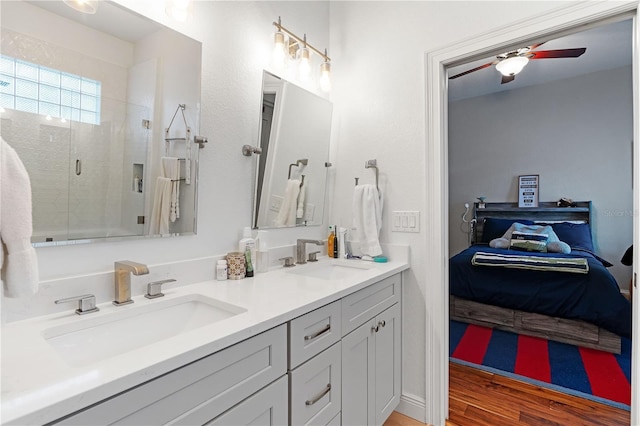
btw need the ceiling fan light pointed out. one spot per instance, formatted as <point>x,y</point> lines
<point>85,6</point>
<point>512,66</point>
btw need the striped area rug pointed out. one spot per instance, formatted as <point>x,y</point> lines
<point>589,373</point>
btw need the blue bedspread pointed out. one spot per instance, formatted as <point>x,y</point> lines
<point>594,297</point>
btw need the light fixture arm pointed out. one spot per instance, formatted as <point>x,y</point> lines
<point>303,40</point>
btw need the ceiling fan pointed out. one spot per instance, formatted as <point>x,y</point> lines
<point>511,63</point>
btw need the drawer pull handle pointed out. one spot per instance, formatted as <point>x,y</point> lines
<point>319,396</point>
<point>318,333</point>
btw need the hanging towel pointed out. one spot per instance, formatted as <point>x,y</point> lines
<point>301,197</point>
<point>367,218</point>
<point>287,214</point>
<point>18,259</point>
<point>160,214</point>
<point>171,170</point>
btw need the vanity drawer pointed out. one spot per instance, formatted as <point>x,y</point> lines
<point>313,332</point>
<point>316,388</point>
<point>361,306</point>
<point>197,392</point>
<point>267,407</point>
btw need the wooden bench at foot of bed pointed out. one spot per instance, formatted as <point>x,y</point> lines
<point>575,332</point>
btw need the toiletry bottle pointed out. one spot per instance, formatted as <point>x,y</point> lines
<point>342,241</point>
<point>221,270</point>
<point>331,240</point>
<point>247,242</point>
<point>262,252</point>
<point>248,263</point>
<point>335,242</point>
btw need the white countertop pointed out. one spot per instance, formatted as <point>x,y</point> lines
<point>38,386</point>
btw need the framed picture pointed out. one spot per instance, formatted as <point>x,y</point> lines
<point>528,189</point>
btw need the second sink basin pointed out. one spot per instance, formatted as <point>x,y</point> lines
<point>331,270</point>
<point>93,339</point>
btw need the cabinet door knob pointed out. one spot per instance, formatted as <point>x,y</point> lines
<point>375,329</point>
<point>382,323</point>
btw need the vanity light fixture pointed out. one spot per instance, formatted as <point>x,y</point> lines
<point>179,10</point>
<point>85,6</point>
<point>296,47</point>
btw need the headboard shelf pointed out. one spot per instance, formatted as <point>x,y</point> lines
<point>547,211</point>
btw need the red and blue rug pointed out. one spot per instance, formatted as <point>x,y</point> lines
<point>588,373</point>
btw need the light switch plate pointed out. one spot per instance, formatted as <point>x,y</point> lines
<point>405,221</point>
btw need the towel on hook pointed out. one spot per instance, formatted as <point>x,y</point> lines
<point>287,214</point>
<point>367,218</point>
<point>161,211</point>
<point>301,199</point>
<point>18,258</point>
<point>171,170</point>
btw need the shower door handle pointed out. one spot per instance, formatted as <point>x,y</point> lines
<point>78,167</point>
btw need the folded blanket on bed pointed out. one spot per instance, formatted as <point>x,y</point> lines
<point>556,264</point>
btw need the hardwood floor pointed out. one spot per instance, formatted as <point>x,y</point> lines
<point>479,398</point>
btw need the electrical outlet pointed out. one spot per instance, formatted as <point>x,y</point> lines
<point>405,221</point>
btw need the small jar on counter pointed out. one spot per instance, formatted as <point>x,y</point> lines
<point>221,270</point>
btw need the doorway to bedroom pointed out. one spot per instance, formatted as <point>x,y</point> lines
<point>568,120</point>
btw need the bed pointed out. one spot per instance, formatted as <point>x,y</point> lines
<point>584,309</point>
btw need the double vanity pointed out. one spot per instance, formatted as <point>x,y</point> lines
<point>313,344</point>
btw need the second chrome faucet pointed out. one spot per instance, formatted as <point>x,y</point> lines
<point>122,279</point>
<point>301,249</point>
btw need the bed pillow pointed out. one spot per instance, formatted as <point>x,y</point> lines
<point>495,228</point>
<point>577,235</point>
<point>553,242</point>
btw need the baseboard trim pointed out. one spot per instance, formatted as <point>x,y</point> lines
<point>412,406</point>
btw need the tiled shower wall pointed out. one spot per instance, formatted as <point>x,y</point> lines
<point>89,202</point>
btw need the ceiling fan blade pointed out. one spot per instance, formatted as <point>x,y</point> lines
<point>472,70</point>
<point>507,78</point>
<point>560,53</point>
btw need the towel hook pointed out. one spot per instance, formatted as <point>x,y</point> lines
<point>372,164</point>
<point>302,161</point>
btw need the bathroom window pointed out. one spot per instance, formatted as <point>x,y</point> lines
<point>29,87</point>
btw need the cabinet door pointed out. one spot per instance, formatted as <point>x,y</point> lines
<point>267,407</point>
<point>358,375</point>
<point>387,363</point>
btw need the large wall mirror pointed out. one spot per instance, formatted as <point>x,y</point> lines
<point>292,168</point>
<point>102,109</point>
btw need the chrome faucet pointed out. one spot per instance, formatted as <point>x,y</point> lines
<point>301,249</point>
<point>122,278</point>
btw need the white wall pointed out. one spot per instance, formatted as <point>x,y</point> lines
<point>575,133</point>
<point>378,92</point>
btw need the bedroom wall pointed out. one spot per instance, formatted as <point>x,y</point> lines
<point>575,133</point>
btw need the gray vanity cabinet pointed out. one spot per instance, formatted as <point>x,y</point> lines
<point>338,364</point>
<point>198,392</point>
<point>371,354</point>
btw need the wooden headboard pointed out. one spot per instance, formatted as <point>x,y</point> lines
<point>545,212</point>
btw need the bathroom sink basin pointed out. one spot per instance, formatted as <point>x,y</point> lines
<point>331,270</point>
<point>93,339</point>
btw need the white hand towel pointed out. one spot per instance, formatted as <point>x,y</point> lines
<point>367,218</point>
<point>20,268</point>
<point>161,211</point>
<point>301,197</point>
<point>171,170</point>
<point>287,214</point>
